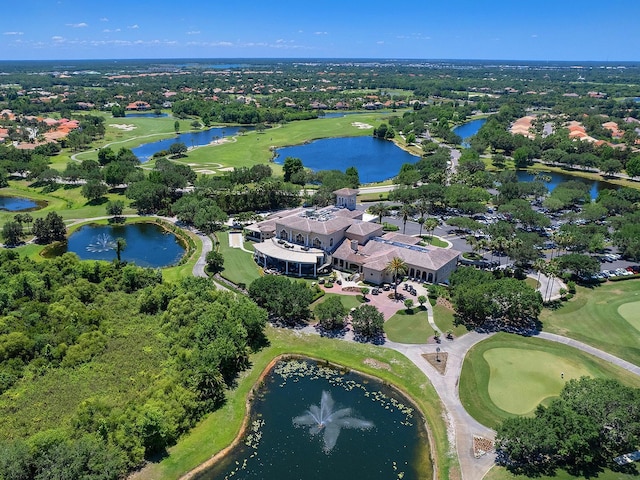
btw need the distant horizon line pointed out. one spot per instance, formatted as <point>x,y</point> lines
<point>320,59</point>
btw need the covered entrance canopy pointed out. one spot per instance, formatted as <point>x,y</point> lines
<point>291,259</point>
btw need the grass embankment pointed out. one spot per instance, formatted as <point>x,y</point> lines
<point>220,428</point>
<point>506,363</point>
<point>594,317</point>
<point>409,326</point>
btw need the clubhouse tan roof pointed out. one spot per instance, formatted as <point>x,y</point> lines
<point>377,254</point>
<point>364,228</point>
<point>306,224</point>
<point>345,192</point>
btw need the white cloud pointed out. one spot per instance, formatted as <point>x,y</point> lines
<point>13,33</point>
<point>380,42</point>
<point>535,35</point>
<point>57,39</point>
<point>104,19</point>
<point>77,25</point>
<point>193,32</point>
<point>107,30</point>
<point>320,33</point>
<point>134,27</point>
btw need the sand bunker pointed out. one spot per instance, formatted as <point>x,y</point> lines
<point>123,126</point>
<point>361,126</point>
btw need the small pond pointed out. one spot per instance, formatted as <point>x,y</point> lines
<point>556,178</point>
<point>190,139</point>
<point>148,244</point>
<point>313,421</point>
<point>17,204</point>
<point>376,160</point>
<point>468,130</point>
<point>146,115</point>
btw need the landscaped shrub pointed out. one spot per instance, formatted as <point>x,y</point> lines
<point>389,227</point>
<point>619,278</point>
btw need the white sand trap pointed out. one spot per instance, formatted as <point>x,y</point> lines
<point>235,239</point>
<point>123,126</point>
<point>227,169</point>
<point>361,126</point>
<point>204,171</point>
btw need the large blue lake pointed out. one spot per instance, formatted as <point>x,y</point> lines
<point>148,244</point>
<point>190,139</point>
<point>468,130</point>
<point>375,159</point>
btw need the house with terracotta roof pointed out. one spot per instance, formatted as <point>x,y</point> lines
<point>307,241</point>
<point>139,105</point>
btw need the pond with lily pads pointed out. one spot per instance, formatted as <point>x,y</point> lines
<point>311,420</point>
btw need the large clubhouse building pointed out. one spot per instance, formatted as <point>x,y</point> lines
<point>306,242</point>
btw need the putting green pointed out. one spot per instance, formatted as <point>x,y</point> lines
<point>631,313</point>
<point>521,379</point>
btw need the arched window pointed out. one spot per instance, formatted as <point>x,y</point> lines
<point>317,243</point>
<point>300,239</point>
<point>283,235</point>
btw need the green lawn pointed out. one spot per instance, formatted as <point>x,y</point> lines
<point>529,366</point>
<point>218,429</point>
<point>239,266</point>
<point>405,327</point>
<point>443,317</point>
<point>349,301</point>
<point>434,241</point>
<point>593,317</point>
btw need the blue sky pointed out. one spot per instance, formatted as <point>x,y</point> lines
<point>421,29</point>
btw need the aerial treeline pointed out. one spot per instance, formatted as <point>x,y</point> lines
<point>157,357</point>
<point>237,112</point>
<point>593,421</point>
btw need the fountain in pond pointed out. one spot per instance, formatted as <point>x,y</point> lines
<point>326,419</point>
<point>102,243</point>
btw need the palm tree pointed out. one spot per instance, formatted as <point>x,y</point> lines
<point>552,271</point>
<point>406,211</point>
<point>121,244</point>
<point>430,224</point>
<point>379,209</point>
<point>498,244</point>
<point>539,266</point>
<point>396,267</point>
<point>421,221</point>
